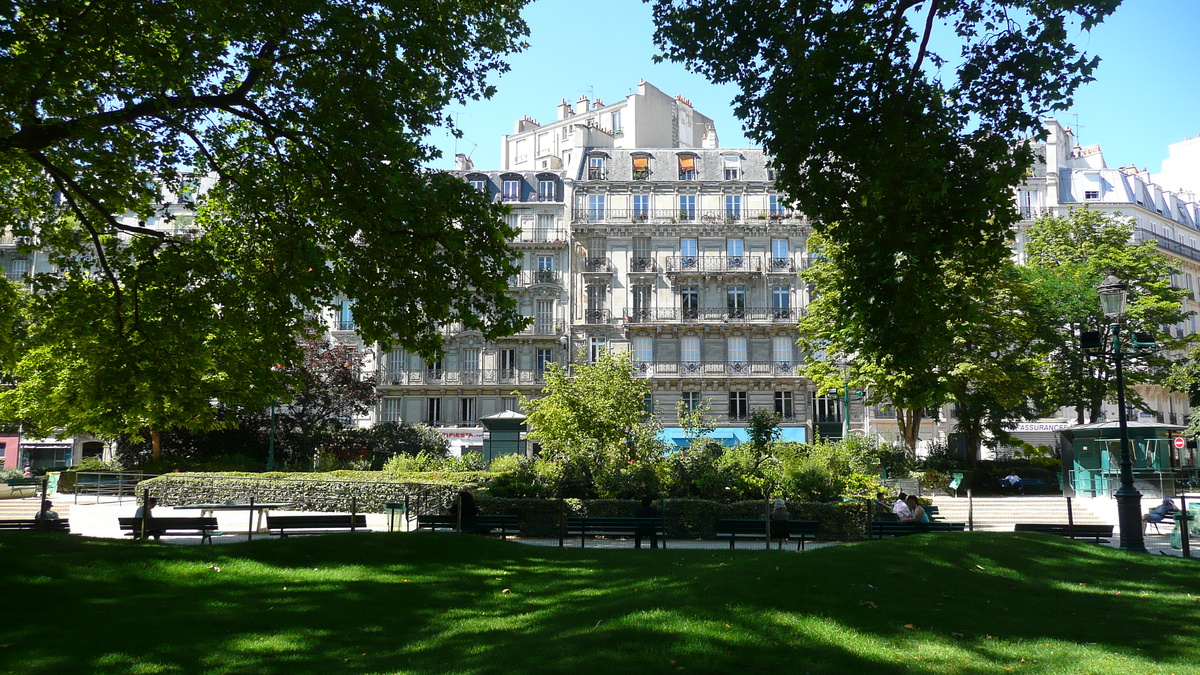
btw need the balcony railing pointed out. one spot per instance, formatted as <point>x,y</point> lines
<point>640,315</point>
<point>781,265</point>
<point>530,277</point>
<point>596,316</point>
<point>597,173</point>
<point>345,324</point>
<point>433,376</point>
<point>540,236</point>
<point>584,215</point>
<point>601,265</point>
<point>686,369</point>
<point>542,328</point>
<point>1167,244</point>
<point>698,264</point>
<point>642,264</point>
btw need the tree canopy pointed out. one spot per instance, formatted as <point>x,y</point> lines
<point>310,116</point>
<point>905,157</point>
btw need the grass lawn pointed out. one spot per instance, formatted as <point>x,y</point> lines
<point>444,603</point>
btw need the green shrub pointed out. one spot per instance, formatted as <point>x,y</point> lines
<point>628,481</point>
<point>506,463</point>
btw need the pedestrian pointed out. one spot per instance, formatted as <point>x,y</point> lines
<point>646,510</point>
<point>779,518</point>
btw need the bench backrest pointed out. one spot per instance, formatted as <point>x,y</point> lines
<point>909,528</point>
<point>23,482</point>
<point>61,525</point>
<point>613,524</point>
<point>163,524</point>
<point>779,528</point>
<point>1084,530</point>
<point>505,520</point>
<point>318,521</point>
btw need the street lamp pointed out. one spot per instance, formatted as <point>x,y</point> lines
<point>1112,293</point>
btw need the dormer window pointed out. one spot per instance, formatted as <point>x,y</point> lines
<point>732,165</point>
<point>546,190</point>
<point>641,168</point>
<point>1091,194</point>
<point>596,168</point>
<point>511,190</point>
<point>687,167</point>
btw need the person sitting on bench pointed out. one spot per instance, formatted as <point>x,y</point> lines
<point>1157,514</point>
<point>147,512</point>
<point>46,513</point>
<point>917,512</point>
<point>1014,481</point>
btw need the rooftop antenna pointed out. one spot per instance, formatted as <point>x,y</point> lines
<point>474,145</point>
<point>1075,127</point>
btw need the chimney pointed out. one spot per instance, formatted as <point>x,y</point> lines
<point>463,163</point>
<point>583,105</point>
<point>564,110</point>
<point>710,138</point>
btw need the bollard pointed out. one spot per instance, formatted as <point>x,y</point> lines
<point>250,523</point>
<point>353,512</point>
<point>970,511</point>
<point>1070,519</point>
<point>1187,524</point>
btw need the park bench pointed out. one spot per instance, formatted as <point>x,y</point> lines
<point>317,524</point>
<point>32,524</point>
<point>204,528</point>
<point>507,525</point>
<point>756,528</point>
<point>31,484</point>
<point>1026,483</point>
<point>1100,533</point>
<point>588,526</point>
<point>882,529</point>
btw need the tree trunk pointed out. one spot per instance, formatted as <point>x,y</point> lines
<point>909,420</point>
<point>155,446</point>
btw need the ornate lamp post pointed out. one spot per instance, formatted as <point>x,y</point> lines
<point>271,437</point>
<point>848,397</point>
<point>1129,501</point>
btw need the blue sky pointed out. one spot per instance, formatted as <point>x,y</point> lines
<point>1145,96</point>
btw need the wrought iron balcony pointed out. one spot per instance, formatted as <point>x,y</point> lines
<point>781,266</point>
<point>345,324</point>
<point>540,236</point>
<point>689,369</point>
<point>440,377</point>
<point>642,264</point>
<point>598,265</point>
<point>642,315</point>
<point>531,277</point>
<point>596,316</point>
<point>585,215</point>
<point>708,264</point>
<point>1167,244</point>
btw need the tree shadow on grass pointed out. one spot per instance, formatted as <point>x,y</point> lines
<point>449,603</point>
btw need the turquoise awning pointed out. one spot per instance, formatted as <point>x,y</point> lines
<point>728,436</point>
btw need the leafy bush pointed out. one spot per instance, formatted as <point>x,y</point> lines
<point>630,481</point>
<point>506,463</point>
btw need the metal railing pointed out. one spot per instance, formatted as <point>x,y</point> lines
<point>596,316</point>
<point>640,315</point>
<point>684,369</point>
<point>434,376</point>
<point>602,265</point>
<point>540,236</point>
<point>697,264</point>
<point>117,484</point>
<point>585,215</point>
<point>1166,244</point>
<point>530,277</point>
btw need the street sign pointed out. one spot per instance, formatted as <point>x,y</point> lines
<point>1179,442</point>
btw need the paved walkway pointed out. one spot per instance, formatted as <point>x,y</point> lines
<point>99,519</point>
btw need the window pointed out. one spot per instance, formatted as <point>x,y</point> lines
<point>689,302</point>
<point>737,353</point>
<point>641,168</point>
<point>689,350</point>
<point>508,363</point>
<point>616,121</point>
<point>512,190</point>
<point>735,301</point>
<point>733,167</point>
<point>545,263</point>
<point>687,167</point>
<point>479,184</point>
<point>544,357</point>
<point>643,297</point>
<point>510,403</point>
<point>596,168</point>
<point>596,311</point>
<point>513,221</point>
<point>1091,194</point>
<point>396,364</point>
<point>770,173</point>
<point>733,207</point>
<point>471,364</point>
<point>595,207</point>
<point>546,190</point>
<point>691,400</point>
<point>648,404</point>
<point>345,315</point>
<point>641,208</point>
<point>642,260</point>
<point>739,408</point>
<point>596,347</point>
<point>735,249</point>
<point>783,405</point>
<point>687,207</point>
<point>781,302</point>
<point>781,348</point>
<point>434,369</point>
<point>433,410</point>
<point>779,249</point>
<point>389,410</point>
<point>827,409</point>
<point>643,349</point>
<point>466,410</point>
<point>543,317</point>
<point>688,253</point>
<point>775,206</point>
<point>545,227</point>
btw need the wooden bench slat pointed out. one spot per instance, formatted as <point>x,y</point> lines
<point>173,526</point>
<point>882,529</point>
<point>615,526</point>
<point>507,524</point>
<point>757,528</point>
<point>60,525</point>
<point>322,523</point>
<point>1081,531</point>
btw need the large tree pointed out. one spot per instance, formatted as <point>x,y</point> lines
<point>1066,259</point>
<point>904,156</point>
<point>310,115</point>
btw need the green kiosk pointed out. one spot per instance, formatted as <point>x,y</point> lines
<point>1091,455</point>
<point>504,434</point>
